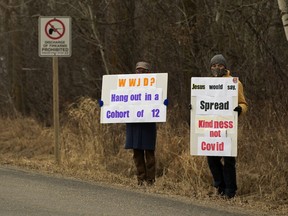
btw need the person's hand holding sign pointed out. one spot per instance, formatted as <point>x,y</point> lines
<point>238,109</point>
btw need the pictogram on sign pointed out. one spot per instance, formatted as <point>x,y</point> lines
<point>55,29</point>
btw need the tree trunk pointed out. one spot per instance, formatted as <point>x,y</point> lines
<point>284,12</point>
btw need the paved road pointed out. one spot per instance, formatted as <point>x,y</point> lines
<point>28,193</point>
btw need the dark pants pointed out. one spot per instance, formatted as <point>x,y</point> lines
<point>145,164</point>
<point>224,174</point>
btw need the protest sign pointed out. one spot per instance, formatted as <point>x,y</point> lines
<point>134,98</point>
<point>214,124</point>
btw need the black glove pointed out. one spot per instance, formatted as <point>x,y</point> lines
<point>166,102</point>
<point>238,109</point>
<point>100,102</point>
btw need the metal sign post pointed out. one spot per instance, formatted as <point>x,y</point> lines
<point>55,41</point>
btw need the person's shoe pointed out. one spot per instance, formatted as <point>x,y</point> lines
<point>225,197</point>
<point>150,182</point>
<point>229,196</point>
<point>220,191</point>
<point>140,182</point>
<point>229,193</point>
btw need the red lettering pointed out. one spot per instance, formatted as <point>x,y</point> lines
<point>215,133</point>
<point>230,124</point>
<point>212,146</point>
<point>223,124</point>
<point>203,146</point>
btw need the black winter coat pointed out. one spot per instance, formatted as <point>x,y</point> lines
<point>140,136</point>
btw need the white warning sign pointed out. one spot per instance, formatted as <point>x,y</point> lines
<point>55,36</point>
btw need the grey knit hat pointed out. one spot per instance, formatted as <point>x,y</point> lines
<point>218,59</point>
<point>143,65</point>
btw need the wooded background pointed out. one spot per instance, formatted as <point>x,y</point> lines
<point>177,36</point>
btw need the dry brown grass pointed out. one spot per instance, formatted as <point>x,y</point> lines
<point>95,152</point>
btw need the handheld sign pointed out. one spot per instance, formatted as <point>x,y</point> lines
<point>213,121</point>
<point>134,98</point>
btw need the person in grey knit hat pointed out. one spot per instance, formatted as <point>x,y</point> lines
<point>223,169</point>
<point>218,59</point>
<point>218,65</point>
<point>143,65</point>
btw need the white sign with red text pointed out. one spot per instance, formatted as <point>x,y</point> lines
<point>134,98</point>
<point>213,121</point>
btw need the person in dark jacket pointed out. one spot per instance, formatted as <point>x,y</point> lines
<point>141,137</point>
<point>224,174</point>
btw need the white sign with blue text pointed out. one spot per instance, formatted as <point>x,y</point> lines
<point>134,98</point>
<point>213,121</point>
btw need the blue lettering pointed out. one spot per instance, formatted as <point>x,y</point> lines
<point>117,114</point>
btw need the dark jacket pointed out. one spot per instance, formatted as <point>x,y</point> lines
<point>140,136</point>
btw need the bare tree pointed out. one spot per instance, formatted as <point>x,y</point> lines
<point>284,13</point>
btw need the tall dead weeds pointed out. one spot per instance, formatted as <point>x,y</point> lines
<point>94,148</point>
